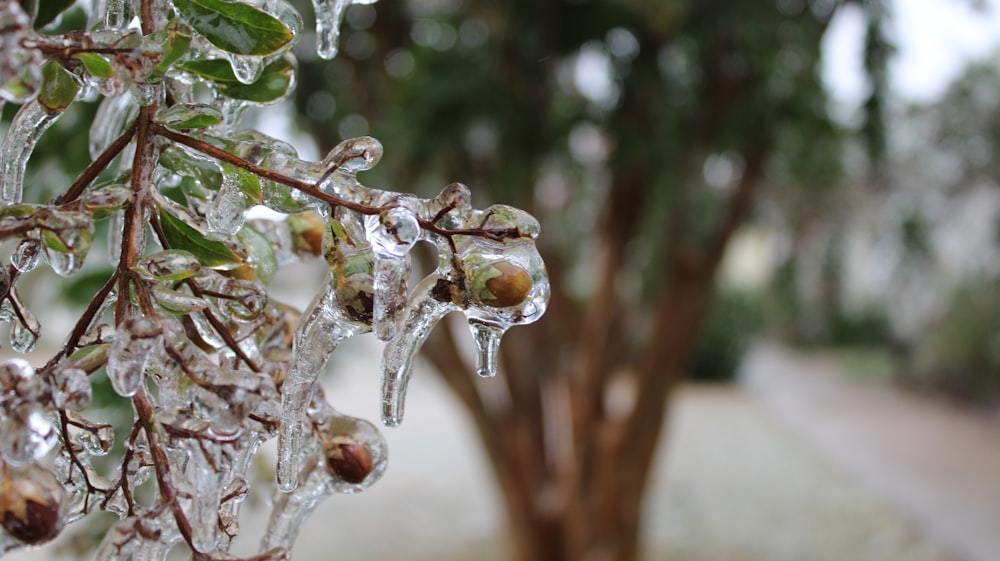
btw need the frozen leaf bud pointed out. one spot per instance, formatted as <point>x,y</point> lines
<point>32,505</point>
<point>500,284</point>
<point>348,459</point>
<point>354,155</point>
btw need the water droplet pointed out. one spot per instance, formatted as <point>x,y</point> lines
<point>135,340</point>
<point>227,212</point>
<point>246,68</point>
<point>27,255</point>
<point>26,434</point>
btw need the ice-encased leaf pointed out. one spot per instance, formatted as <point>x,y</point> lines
<point>274,82</point>
<point>235,27</point>
<point>181,235</point>
<point>175,45</point>
<point>262,254</point>
<point>190,116</point>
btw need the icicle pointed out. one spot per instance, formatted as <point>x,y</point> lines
<point>329,14</point>
<point>321,329</point>
<point>28,125</point>
<point>347,455</point>
<point>116,229</point>
<point>487,338</point>
<point>392,234</point>
<point>422,314</point>
<point>115,14</point>
<point>136,339</point>
<point>227,211</point>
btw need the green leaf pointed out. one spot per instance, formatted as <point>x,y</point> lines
<point>49,10</point>
<point>190,116</point>
<point>177,44</point>
<point>235,27</point>
<point>181,235</point>
<point>261,251</point>
<point>59,87</point>
<point>98,65</point>
<point>248,183</point>
<point>274,82</point>
<point>18,211</point>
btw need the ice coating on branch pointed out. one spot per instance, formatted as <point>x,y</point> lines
<point>206,488</point>
<point>424,310</point>
<point>135,340</point>
<point>329,14</point>
<point>352,156</point>
<point>392,234</point>
<point>31,120</point>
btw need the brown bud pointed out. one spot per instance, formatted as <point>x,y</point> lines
<point>348,459</point>
<point>31,509</point>
<point>508,284</point>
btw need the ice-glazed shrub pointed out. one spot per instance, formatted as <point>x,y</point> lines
<point>184,328</point>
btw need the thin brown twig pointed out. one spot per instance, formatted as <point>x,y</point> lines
<point>95,169</point>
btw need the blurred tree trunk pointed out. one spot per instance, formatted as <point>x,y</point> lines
<point>572,423</point>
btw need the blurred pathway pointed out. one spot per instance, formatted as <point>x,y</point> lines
<point>937,464</point>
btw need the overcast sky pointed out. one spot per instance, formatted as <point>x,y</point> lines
<point>935,40</point>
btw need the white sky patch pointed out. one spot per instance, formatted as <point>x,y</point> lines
<point>935,41</point>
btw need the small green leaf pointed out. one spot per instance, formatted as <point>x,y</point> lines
<point>248,183</point>
<point>235,27</point>
<point>181,235</point>
<point>97,65</point>
<point>59,87</point>
<point>190,116</point>
<point>261,251</point>
<point>18,211</point>
<point>274,82</point>
<point>177,44</point>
